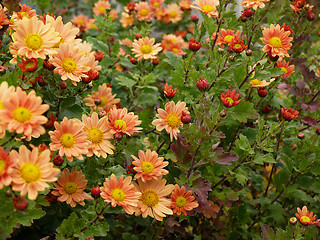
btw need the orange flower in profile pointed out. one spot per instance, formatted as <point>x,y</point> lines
<point>153,201</point>
<point>305,217</point>
<point>182,200</point>
<point>6,167</point>
<point>126,20</point>
<point>207,6</point>
<point>289,113</point>
<point>144,48</point>
<point>288,70</point>
<point>120,121</point>
<point>32,171</point>
<point>226,36</point>
<point>34,39</point>
<point>169,91</point>
<point>22,113</point>
<point>170,118</point>
<point>101,7</point>
<point>174,12</point>
<point>149,165</point>
<point>3,18</point>
<point>5,91</point>
<point>104,94</point>
<point>277,41</point>
<point>80,21</point>
<point>258,83</point>
<point>253,4</point>
<point>99,133</point>
<point>70,63</point>
<point>156,3</point>
<point>144,11</point>
<point>70,187</point>
<point>120,193</point>
<point>69,139</point>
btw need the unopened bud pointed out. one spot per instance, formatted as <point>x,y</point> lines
<point>293,220</point>
<point>223,114</point>
<point>194,18</point>
<point>137,36</point>
<point>301,135</point>
<point>249,52</point>
<point>63,85</point>
<point>185,118</point>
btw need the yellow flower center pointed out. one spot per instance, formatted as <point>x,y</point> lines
<point>2,165</point>
<point>149,198</point>
<point>237,46</point>
<point>33,41</point>
<point>102,9</point>
<point>305,219</point>
<point>120,124</point>
<point>173,40</point>
<point>156,4</point>
<point>159,13</point>
<point>24,14</point>
<point>69,65</point>
<point>30,65</point>
<point>67,140</point>
<point>1,106</point>
<point>207,8</point>
<point>229,100</point>
<point>181,202</point>
<point>275,42</point>
<point>146,49</point>
<point>147,167</point>
<point>283,69</point>
<point>80,22</point>
<point>186,5</point>
<point>144,12</point>
<point>255,82</point>
<point>21,114</point>
<point>228,38</point>
<point>95,135</point>
<point>70,188</point>
<point>173,120</point>
<point>30,172</point>
<point>129,20</point>
<point>104,101</point>
<point>118,194</point>
<point>173,14</point>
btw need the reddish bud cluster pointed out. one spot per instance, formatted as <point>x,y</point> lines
<point>185,118</point>
<point>194,18</point>
<point>202,84</point>
<point>169,91</point>
<point>230,98</point>
<point>51,120</point>
<point>57,160</point>
<point>137,36</point>
<point>29,65</point>
<point>155,61</point>
<point>95,191</point>
<point>287,28</point>
<point>247,12</point>
<point>63,85</point>
<point>20,203</point>
<point>194,45</point>
<point>98,56</point>
<point>266,109</point>
<point>310,15</point>
<point>262,91</point>
<point>289,114</point>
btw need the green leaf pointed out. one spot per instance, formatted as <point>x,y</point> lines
<point>172,59</point>
<point>260,158</point>
<point>243,111</point>
<point>243,144</point>
<point>129,236</point>
<point>70,226</point>
<point>99,45</point>
<point>125,82</point>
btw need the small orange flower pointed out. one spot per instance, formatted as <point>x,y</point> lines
<point>305,217</point>
<point>289,114</point>
<point>230,98</point>
<point>207,6</point>
<point>226,36</point>
<point>237,44</point>
<point>255,4</point>
<point>101,7</point>
<point>28,65</point>
<point>144,48</point>
<point>69,139</point>
<point>169,91</point>
<point>80,21</point>
<point>185,5</point>
<point>113,14</point>
<point>126,20</point>
<point>182,200</point>
<point>155,4</point>
<point>32,171</point>
<point>144,11</point>
<point>70,187</point>
<point>6,167</point>
<point>149,165</point>
<point>120,193</point>
<point>288,70</point>
<point>170,118</point>
<point>174,12</point>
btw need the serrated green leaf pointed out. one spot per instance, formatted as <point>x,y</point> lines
<point>125,82</point>
<point>243,144</point>
<point>243,111</point>
<point>99,45</point>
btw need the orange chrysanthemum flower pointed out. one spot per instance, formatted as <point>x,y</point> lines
<point>34,39</point>
<point>230,98</point>
<point>257,83</point>
<point>3,18</point>
<point>170,118</point>
<point>207,6</point>
<point>170,41</point>
<point>80,21</point>
<point>169,91</point>
<point>174,12</point>
<point>185,5</point>
<point>105,95</point>
<point>5,91</point>
<point>32,171</point>
<point>113,14</point>
<point>22,113</point>
<point>305,217</point>
<point>226,36</point>
<point>99,133</point>
<point>277,41</point>
<point>69,139</point>
<point>6,167</point>
<point>70,63</point>
<point>149,165</point>
<point>156,3</point>
<point>70,187</point>
<point>120,121</point>
<point>153,201</point>
<point>126,20</point>
<point>289,113</point>
<point>288,70</point>
<point>101,7</point>
<point>144,11</point>
<point>120,193</point>
<point>25,11</point>
<point>144,48</point>
<point>182,200</point>
<point>253,4</point>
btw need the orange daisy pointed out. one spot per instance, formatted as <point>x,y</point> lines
<point>226,36</point>
<point>99,133</point>
<point>170,41</point>
<point>126,20</point>
<point>258,83</point>
<point>207,6</point>
<point>144,11</point>
<point>70,63</point>
<point>253,3</point>
<point>105,95</point>
<point>3,18</point>
<point>149,165</point>
<point>25,11</point>
<point>6,167</point>
<point>80,21</point>
<point>120,193</point>
<point>22,113</point>
<point>91,24</point>
<point>32,171</point>
<point>288,70</point>
<point>144,48</point>
<point>113,14</point>
<point>305,217</point>
<point>185,5</point>
<point>170,118</point>
<point>120,121</point>
<point>174,12</point>
<point>34,39</point>
<point>101,7</point>
<point>156,3</point>
<point>70,139</point>
<point>70,187</point>
<point>153,201</point>
<point>182,200</point>
<point>5,91</point>
<point>277,41</point>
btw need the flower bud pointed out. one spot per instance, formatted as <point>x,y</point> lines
<point>194,18</point>
<point>266,109</point>
<point>63,85</point>
<point>155,61</point>
<point>58,160</point>
<point>20,203</point>
<point>101,218</point>
<point>249,52</point>
<point>223,114</point>
<point>119,135</point>
<point>186,117</point>
<point>41,81</point>
<point>102,113</point>
<point>137,36</point>
<point>95,191</point>
<point>98,56</point>
<point>318,130</point>
<point>262,91</point>
<point>47,64</point>
<point>301,135</point>
<point>317,222</point>
<point>293,220</point>
<point>247,12</point>
<point>51,198</point>
<point>97,101</point>
<point>194,45</point>
<point>202,84</point>
<point>243,18</point>
<point>310,15</point>
<point>220,50</point>
<point>133,60</point>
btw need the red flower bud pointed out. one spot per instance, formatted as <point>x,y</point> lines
<point>131,170</point>
<point>20,203</point>
<point>194,45</point>
<point>95,191</point>
<point>155,61</point>
<point>186,117</point>
<point>47,64</point>
<point>51,198</point>
<point>51,120</point>
<point>194,18</point>
<point>262,91</point>
<point>119,135</point>
<point>41,81</point>
<point>202,84</point>
<point>169,91</point>
<point>63,85</point>
<point>247,12</point>
<point>97,101</point>
<point>243,18</point>
<point>301,135</point>
<point>57,160</point>
<point>133,60</point>
<point>99,56</point>
<point>111,39</point>
<point>266,109</point>
<point>310,15</point>
<point>318,130</point>
<point>137,36</point>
